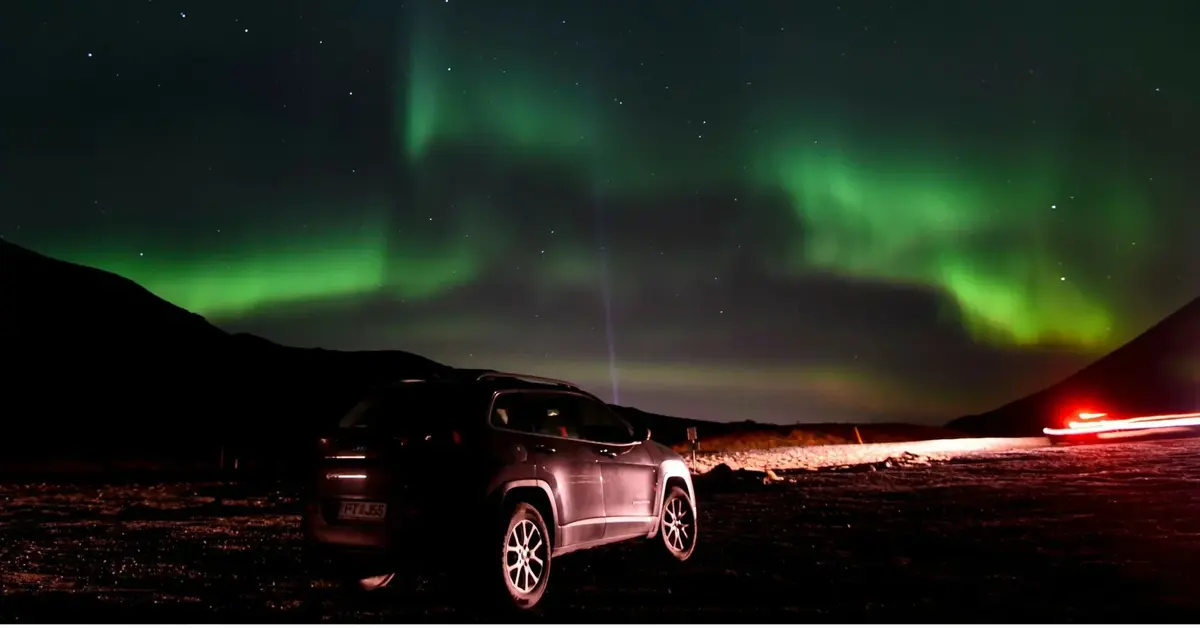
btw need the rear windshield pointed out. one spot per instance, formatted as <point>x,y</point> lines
<point>423,408</point>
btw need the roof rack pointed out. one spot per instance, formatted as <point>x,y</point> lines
<point>529,378</point>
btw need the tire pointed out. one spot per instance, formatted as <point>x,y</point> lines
<point>370,584</point>
<point>520,559</point>
<point>677,525</point>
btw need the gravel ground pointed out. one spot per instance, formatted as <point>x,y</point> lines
<point>1094,533</point>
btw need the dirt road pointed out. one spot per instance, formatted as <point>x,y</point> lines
<point>1098,533</point>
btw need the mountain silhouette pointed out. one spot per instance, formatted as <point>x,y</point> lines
<point>1157,372</point>
<point>97,367</point>
<point>100,370</point>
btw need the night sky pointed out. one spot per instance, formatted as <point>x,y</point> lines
<point>778,211</point>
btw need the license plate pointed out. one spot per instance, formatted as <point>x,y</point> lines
<point>363,511</point>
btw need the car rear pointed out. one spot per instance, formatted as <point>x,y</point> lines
<point>394,472</point>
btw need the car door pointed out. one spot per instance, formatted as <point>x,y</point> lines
<point>627,469</point>
<point>571,468</point>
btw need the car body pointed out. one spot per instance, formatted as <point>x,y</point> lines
<point>461,460</point>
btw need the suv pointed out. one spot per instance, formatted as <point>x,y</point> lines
<point>498,473</point>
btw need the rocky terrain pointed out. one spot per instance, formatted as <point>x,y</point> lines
<point>1079,534</point>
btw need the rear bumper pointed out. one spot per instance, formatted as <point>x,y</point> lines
<point>406,539</point>
<point>335,561</point>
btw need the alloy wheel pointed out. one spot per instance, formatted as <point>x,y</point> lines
<point>525,556</point>
<point>678,525</point>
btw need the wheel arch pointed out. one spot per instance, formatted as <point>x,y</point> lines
<point>538,494</point>
<point>672,473</point>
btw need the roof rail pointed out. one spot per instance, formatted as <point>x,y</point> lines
<point>530,378</point>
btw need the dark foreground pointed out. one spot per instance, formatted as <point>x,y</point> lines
<point>1096,533</point>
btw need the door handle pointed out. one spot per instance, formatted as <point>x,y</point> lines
<point>544,449</point>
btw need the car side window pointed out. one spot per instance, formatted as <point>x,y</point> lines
<point>597,423</point>
<point>555,415</point>
<point>508,412</point>
<point>534,413</point>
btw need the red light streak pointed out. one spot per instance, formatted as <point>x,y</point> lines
<point>1135,423</point>
<point>1141,433</point>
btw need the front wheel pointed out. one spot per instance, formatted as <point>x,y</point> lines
<point>677,524</point>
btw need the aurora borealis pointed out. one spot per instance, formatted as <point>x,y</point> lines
<point>785,212</point>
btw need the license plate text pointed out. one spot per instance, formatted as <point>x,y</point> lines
<point>363,511</point>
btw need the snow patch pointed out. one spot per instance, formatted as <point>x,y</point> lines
<point>827,456</point>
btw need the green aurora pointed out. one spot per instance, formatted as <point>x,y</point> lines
<point>998,233</point>
<point>898,210</point>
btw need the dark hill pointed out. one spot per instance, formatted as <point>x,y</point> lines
<point>99,371</point>
<point>1157,372</point>
<point>98,367</point>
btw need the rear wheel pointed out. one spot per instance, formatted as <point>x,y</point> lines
<point>373,583</point>
<point>677,524</point>
<point>523,560</point>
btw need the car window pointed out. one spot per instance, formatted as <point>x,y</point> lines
<point>561,415</point>
<point>534,413</point>
<point>412,409</point>
<point>595,422</point>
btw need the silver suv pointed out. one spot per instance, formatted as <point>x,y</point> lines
<point>496,473</point>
